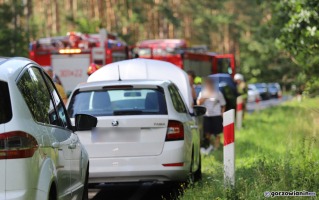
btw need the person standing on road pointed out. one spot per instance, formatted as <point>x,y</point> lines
<point>214,101</point>
<point>191,77</point>
<point>241,89</point>
<point>57,85</point>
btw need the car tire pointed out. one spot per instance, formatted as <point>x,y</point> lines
<point>52,193</point>
<point>198,173</point>
<point>85,194</point>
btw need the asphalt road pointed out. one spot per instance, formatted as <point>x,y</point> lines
<point>153,191</point>
<point>252,106</point>
<point>140,191</point>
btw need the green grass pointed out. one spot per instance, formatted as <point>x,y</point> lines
<point>278,150</point>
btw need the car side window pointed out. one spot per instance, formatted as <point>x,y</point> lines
<point>177,100</point>
<point>34,91</point>
<point>58,102</point>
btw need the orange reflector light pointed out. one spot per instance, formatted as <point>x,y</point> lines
<point>174,165</point>
<point>66,51</point>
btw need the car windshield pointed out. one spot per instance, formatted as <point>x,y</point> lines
<point>118,102</point>
<point>5,104</point>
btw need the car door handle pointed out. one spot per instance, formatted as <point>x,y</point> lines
<point>194,127</point>
<point>72,146</point>
<point>55,145</point>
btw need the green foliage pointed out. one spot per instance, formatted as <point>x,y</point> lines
<point>273,41</point>
<point>13,37</point>
<point>85,25</point>
<point>297,21</point>
<point>273,153</point>
<point>300,19</point>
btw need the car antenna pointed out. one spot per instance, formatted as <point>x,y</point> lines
<point>118,68</point>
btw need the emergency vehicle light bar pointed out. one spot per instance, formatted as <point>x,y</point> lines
<point>66,51</point>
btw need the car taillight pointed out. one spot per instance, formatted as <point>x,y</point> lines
<point>17,144</point>
<point>175,131</point>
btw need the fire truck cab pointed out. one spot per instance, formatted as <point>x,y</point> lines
<point>71,55</point>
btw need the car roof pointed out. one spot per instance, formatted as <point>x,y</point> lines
<point>3,59</point>
<point>95,84</point>
<point>11,67</point>
<point>146,69</point>
<point>220,75</point>
<point>261,84</point>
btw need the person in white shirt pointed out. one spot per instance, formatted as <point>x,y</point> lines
<point>214,101</point>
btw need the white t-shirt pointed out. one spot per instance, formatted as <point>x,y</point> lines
<point>213,103</point>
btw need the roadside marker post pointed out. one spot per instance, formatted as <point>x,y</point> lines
<point>257,104</point>
<point>239,112</point>
<point>229,148</point>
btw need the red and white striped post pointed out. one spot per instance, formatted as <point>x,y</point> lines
<point>239,112</point>
<point>229,147</point>
<point>257,101</point>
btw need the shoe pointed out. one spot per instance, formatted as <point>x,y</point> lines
<point>209,149</point>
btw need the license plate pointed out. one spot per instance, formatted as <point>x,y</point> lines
<point>110,135</point>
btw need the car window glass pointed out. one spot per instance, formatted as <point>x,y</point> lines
<point>36,96</point>
<point>177,100</point>
<point>5,104</point>
<point>59,104</point>
<point>139,101</point>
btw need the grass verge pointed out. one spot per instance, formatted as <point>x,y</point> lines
<point>278,150</point>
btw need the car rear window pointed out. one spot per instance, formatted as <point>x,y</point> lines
<point>118,102</point>
<point>5,103</point>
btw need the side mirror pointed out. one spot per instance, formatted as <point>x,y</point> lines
<point>84,122</point>
<point>199,110</point>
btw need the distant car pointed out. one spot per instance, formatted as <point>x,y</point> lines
<point>274,90</point>
<point>227,86</point>
<point>145,130</point>
<point>40,156</point>
<point>253,93</point>
<point>263,90</point>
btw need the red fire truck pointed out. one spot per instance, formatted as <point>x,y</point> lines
<point>71,55</point>
<point>196,58</point>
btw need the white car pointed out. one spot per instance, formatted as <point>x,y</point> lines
<point>253,93</point>
<point>145,131</point>
<point>40,156</point>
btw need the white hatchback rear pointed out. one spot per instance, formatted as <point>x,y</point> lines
<point>145,131</point>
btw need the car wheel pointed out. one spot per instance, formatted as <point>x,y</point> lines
<point>53,192</point>
<point>198,173</point>
<point>85,195</point>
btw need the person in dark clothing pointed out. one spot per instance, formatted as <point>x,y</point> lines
<point>191,77</point>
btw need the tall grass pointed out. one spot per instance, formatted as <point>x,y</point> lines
<point>278,150</point>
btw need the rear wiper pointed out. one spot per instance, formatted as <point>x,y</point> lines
<point>127,112</point>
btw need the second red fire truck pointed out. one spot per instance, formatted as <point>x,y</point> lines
<point>197,58</point>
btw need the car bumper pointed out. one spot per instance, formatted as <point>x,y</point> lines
<point>142,169</point>
<point>23,194</point>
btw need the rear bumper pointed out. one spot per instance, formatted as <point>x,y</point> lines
<point>141,169</point>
